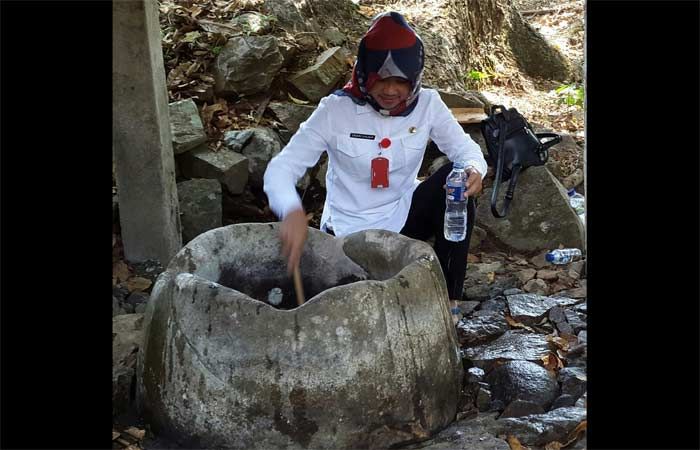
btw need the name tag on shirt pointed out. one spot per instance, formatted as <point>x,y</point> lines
<point>380,172</point>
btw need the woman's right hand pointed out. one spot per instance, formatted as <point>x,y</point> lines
<point>293,234</point>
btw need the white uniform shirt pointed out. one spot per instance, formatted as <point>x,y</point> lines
<point>351,203</point>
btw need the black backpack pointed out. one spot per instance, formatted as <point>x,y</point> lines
<point>513,146</point>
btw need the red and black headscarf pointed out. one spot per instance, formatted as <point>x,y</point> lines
<point>390,48</point>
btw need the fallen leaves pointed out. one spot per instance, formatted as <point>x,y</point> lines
<point>515,324</point>
<point>552,362</point>
<point>138,284</point>
<point>574,435</point>
<point>514,443</point>
<point>120,271</point>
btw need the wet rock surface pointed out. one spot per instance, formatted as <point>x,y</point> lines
<point>481,328</point>
<point>512,345</point>
<point>523,380</point>
<point>540,429</point>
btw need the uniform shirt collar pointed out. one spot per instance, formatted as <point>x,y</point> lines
<point>363,109</point>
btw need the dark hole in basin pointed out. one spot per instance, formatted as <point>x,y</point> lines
<point>259,287</point>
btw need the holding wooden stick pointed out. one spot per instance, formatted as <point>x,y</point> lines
<point>298,287</point>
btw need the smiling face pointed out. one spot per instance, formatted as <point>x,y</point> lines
<point>390,92</point>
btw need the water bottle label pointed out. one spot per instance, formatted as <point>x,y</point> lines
<point>456,194</point>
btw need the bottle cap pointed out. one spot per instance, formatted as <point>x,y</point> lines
<point>571,192</point>
<point>549,257</point>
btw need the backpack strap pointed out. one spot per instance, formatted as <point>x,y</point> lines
<point>499,175</point>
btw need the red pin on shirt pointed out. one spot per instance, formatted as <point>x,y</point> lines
<point>385,143</point>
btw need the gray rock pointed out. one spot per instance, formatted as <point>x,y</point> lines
<point>333,36</point>
<point>540,429</point>
<point>547,275</point>
<point>495,304</point>
<point>321,174</point>
<point>523,380</point>
<point>481,328</point>
<point>539,260</point>
<point>247,65</point>
<point>127,339</point>
<point>200,207</point>
<point>573,381</point>
<point>117,310</point>
<point>536,286</point>
<point>511,345</point>
<point>128,308</point>
<point>477,285</point>
<point>140,308</point>
<point>120,293</point>
<point>354,347</point>
<point>556,315</point>
<point>512,291</point>
<point>540,216</point>
<point>530,308</point>
<point>519,408</point>
<point>227,167</point>
<point>437,163</point>
<point>467,307</point>
<point>136,298</point>
<point>578,267</point>
<point>474,132</point>
<point>317,81</point>
<point>574,293</point>
<point>149,268</point>
<point>237,139</point>
<point>525,275</point>
<point>252,22</point>
<point>472,434</point>
<point>287,14</point>
<point>263,146</point>
<point>483,399</point>
<point>576,320</point>
<point>468,100</point>
<point>185,126</point>
<point>477,238</point>
<point>582,336</point>
<point>475,375</point>
<point>563,401</point>
<point>291,115</point>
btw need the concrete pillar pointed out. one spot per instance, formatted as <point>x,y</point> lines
<point>145,166</point>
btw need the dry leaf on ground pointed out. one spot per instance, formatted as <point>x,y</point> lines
<point>120,271</point>
<point>552,362</point>
<point>559,342</point>
<point>515,443</point>
<point>554,445</point>
<point>135,432</point>
<point>115,435</point>
<point>514,323</point>
<point>491,277</point>
<point>138,284</point>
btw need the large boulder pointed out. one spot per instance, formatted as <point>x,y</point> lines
<point>127,338</point>
<point>200,207</point>
<point>370,360</point>
<point>291,115</point>
<point>317,81</point>
<point>185,126</point>
<point>247,65</point>
<point>540,216</point>
<point>228,167</point>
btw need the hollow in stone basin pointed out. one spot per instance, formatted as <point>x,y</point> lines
<point>369,361</point>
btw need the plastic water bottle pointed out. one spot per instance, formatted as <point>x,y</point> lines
<point>577,202</point>
<point>563,255</point>
<point>455,204</point>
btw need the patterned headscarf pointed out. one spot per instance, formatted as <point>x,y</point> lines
<point>390,48</point>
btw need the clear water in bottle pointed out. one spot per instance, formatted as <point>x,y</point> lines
<point>455,205</point>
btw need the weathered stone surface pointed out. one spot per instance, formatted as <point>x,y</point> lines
<point>252,22</point>
<point>576,320</point>
<point>540,216</point>
<point>237,139</point>
<point>229,168</point>
<point>475,375</point>
<point>574,293</point>
<point>260,149</point>
<point>573,381</point>
<point>482,282</point>
<point>136,298</point>
<point>127,339</point>
<point>437,163</point>
<point>333,36</point>
<point>322,171</point>
<point>533,54</point>
<point>291,115</point>
<point>247,65</point>
<point>512,345</point>
<point>185,126</point>
<point>287,14</point>
<point>495,304</point>
<point>483,398</point>
<point>481,328</point>
<point>200,205</point>
<point>317,81</point>
<point>529,308</point>
<point>563,401</point>
<point>254,376</point>
<point>540,429</point>
<point>468,434</point>
<point>525,275</point>
<point>549,275</point>
<point>477,238</point>
<point>117,309</point>
<point>582,336</point>
<point>523,380</point>
<point>536,286</point>
<point>519,408</point>
<point>467,307</point>
<point>468,100</point>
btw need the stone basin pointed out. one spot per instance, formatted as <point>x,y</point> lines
<point>370,360</point>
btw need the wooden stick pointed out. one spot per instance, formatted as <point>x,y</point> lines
<point>298,287</point>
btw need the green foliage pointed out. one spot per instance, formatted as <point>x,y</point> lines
<point>571,94</point>
<point>477,76</point>
<point>216,50</point>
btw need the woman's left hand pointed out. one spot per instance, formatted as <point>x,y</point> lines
<point>473,183</point>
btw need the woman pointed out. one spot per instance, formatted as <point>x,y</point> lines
<point>375,131</point>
